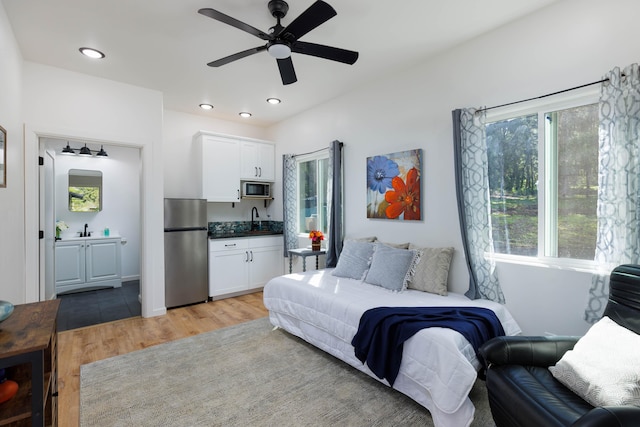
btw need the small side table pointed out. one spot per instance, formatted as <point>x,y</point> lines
<point>304,253</point>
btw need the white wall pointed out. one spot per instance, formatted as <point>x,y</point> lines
<point>12,254</point>
<point>68,105</point>
<point>180,155</point>
<point>120,198</point>
<point>570,43</point>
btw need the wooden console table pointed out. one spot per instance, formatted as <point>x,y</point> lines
<point>304,253</point>
<point>28,352</point>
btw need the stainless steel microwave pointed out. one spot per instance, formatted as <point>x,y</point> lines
<point>256,190</point>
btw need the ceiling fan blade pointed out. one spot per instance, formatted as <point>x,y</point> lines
<point>219,16</point>
<point>318,13</point>
<point>326,52</point>
<point>236,56</point>
<point>287,72</point>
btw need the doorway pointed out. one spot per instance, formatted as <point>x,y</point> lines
<point>117,218</point>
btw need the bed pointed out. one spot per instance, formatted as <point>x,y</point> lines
<point>439,366</point>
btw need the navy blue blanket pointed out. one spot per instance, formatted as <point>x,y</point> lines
<point>383,331</point>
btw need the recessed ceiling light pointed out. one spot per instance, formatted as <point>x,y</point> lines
<point>206,106</point>
<point>245,114</point>
<point>273,101</point>
<point>91,53</point>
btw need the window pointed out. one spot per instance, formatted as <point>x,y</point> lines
<point>543,181</point>
<point>313,174</point>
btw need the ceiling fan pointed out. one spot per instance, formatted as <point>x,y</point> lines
<point>282,41</point>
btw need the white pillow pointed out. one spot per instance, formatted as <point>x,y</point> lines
<point>604,366</point>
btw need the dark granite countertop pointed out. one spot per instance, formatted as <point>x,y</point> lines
<point>245,234</point>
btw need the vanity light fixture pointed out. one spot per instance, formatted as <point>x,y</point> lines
<point>273,101</point>
<point>206,106</point>
<point>245,114</point>
<point>91,53</point>
<point>68,150</point>
<point>84,151</point>
<point>102,153</point>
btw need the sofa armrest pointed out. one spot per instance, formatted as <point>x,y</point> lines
<point>523,350</point>
<point>610,416</point>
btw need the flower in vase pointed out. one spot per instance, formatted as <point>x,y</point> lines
<point>316,235</point>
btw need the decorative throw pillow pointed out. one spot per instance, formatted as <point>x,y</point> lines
<point>432,271</point>
<point>603,366</point>
<point>395,245</point>
<point>354,259</point>
<point>392,268</point>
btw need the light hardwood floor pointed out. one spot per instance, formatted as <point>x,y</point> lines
<point>81,346</point>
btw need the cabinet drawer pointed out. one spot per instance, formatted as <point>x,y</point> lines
<point>265,241</point>
<point>228,244</point>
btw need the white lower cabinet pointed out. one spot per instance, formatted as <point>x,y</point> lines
<point>84,263</point>
<point>238,265</point>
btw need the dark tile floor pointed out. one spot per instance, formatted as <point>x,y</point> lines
<point>98,306</point>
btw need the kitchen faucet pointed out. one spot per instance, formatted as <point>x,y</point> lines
<point>252,220</point>
<point>85,230</point>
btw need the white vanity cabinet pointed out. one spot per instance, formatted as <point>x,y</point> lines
<point>258,161</point>
<point>244,264</point>
<point>88,262</point>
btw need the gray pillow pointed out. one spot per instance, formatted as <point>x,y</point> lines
<point>392,268</point>
<point>354,259</point>
<point>432,271</point>
<point>395,245</point>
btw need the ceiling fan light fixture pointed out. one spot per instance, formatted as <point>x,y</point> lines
<point>279,50</point>
<point>91,53</point>
<point>273,101</point>
<point>245,115</point>
<point>206,106</point>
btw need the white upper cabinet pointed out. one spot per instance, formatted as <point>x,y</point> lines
<point>226,160</point>
<point>258,161</point>
<point>220,167</point>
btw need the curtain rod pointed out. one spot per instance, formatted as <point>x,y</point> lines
<point>311,152</point>
<point>545,96</point>
<point>314,152</point>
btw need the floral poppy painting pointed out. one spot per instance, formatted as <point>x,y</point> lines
<point>393,186</point>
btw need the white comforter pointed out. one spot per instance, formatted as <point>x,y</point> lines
<point>439,366</point>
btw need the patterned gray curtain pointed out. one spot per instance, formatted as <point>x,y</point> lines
<point>472,191</point>
<point>618,238</point>
<point>289,202</point>
<point>335,208</point>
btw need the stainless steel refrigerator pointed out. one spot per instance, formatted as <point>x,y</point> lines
<point>186,265</point>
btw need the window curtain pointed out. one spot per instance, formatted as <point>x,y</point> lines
<point>335,208</point>
<point>618,211</point>
<point>472,191</point>
<point>289,202</point>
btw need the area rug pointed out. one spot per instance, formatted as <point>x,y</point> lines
<point>244,375</point>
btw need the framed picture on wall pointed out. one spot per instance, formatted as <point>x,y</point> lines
<point>3,157</point>
<point>393,186</point>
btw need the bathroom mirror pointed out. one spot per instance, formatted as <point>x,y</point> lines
<point>85,190</point>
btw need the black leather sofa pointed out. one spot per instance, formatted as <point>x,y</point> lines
<point>521,390</point>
